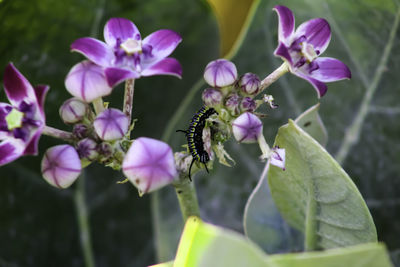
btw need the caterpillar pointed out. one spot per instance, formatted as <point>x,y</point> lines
<point>194,136</point>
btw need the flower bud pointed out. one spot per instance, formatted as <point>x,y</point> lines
<point>73,110</point>
<point>248,104</point>
<point>87,149</point>
<point>247,128</point>
<point>105,151</point>
<point>149,164</point>
<point>249,83</point>
<point>80,131</point>
<point>212,97</point>
<point>111,124</point>
<point>232,103</point>
<point>61,166</point>
<point>220,73</point>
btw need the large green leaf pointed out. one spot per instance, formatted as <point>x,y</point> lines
<point>316,196</point>
<point>311,123</point>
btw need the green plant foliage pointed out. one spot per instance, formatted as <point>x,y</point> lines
<point>316,196</point>
<point>311,123</point>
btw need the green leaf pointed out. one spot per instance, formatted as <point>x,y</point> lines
<point>316,196</point>
<point>311,123</point>
<point>204,245</point>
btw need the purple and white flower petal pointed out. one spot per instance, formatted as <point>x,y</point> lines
<point>61,166</point>
<point>111,124</point>
<point>167,66</point>
<point>330,70</point>
<point>149,164</point>
<point>87,81</point>
<point>247,128</point>
<point>21,123</point>
<point>118,30</point>
<point>94,50</point>
<point>319,86</point>
<point>317,32</point>
<point>278,157</point>
<point>286,24</point>
<point>220,73</point>
<point>115,76</point>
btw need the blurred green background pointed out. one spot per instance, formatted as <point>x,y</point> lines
<point>38,224</point>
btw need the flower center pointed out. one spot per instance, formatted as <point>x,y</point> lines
<point>308,52</point>
<point>132,46</point>
<point>14,119</point>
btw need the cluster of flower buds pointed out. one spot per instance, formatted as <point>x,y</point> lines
<point>234,99</point>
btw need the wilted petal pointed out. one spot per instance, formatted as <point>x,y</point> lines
<point>318,85</point>
<point>283,52</point>
<point>330,70</point>
<point>111,124</point>
<point>317,32</point>
<point>95,50</point>
<point>10,150</point>
<point>220,73</point>
<point>17,86</point>
<point>162,43</point>
<point>286,24</point>
<point>149,164</point>
<point>115,76</point>
<point>167,66</point>
<point>119,30</point>
<point>247,128</point>
<point>61,166</point>
<point>278,157</point>
<point>87,81</point>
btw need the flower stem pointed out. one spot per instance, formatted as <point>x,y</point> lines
<point>274,76</point>
<point>128,97</point>
<point>56,133</point>
<point>187,197</point>
<point>83,222</point>
<point>98,105</point>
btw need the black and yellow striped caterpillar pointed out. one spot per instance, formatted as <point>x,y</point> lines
<point>194,136</point>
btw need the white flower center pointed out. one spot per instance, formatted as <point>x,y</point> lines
<point>131,46</point>
<point>308,52</point>
<point>14,119</point>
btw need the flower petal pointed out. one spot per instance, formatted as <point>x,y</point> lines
<point>167,66</point>
<point>283,52</point>
<point>32,147</point>
<point>10,150</point>
<point>94,50</point>
<point>17,86</point>
<point>160,45</point>
<point>317,32</point>
<point>116,75</point>
<point>330,70</point>
<point>286,24</point>
<point>318,85</point>
<point>87,81</point>
<point>118,30</point>
<point>40,92</point>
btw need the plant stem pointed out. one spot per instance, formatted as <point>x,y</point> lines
<point>274,76</point>
<point>128,97</point>
<point>83,222</point>
<point>56,133</point>
<point>98,105</point>
<point>354,131</point>
<point>187,197</point>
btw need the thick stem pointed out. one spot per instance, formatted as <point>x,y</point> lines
<point>83,222</point>
<point>274,76</point>
<point>56,133</point>
<point>128,97</point>
<point>187,197</point>
<point>98,105</point>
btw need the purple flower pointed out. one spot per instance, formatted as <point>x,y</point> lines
<point>248,104</point>
<point>232,103</point>
<point>22,122</point>
<point>247,128</point>
<point>220,73</point>
<point>111,124</point>
<point>61,166</point>
<point>149,164</point>
<point>87,81</point>
<point>301,48</point>
<point>87,149</point>
<point>212,97</point>
<point>124,55</point>
<point>249,83</point>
